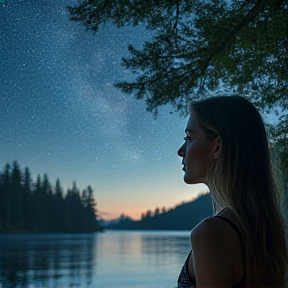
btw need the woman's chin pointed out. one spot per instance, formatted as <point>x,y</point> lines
<point>190,180</point>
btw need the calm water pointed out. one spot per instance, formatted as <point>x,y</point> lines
<point>121,259</point>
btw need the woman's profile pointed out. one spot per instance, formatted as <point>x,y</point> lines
<point>244,242</point>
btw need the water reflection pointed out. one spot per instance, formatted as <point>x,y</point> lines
<point>45,260</point>
<point>122,259</point>
<point>175,242</point>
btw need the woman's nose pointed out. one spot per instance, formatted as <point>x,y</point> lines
<point>181,151</point>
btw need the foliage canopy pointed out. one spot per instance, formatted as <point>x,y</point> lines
<point>200,48</point>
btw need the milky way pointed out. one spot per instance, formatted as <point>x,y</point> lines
<point>60,113</point>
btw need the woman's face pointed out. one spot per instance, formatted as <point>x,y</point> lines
<point>197,152</point>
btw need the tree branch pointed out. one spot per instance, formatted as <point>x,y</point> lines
<point>251,15</point>
<point>177,15</point>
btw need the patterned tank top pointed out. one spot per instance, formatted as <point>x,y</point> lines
<point>186,281</point>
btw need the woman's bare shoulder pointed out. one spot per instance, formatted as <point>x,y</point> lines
<point>210,254</point>
<point>216,229</point>
<point>209,225</point>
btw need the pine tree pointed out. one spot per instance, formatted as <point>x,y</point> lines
<point>16,197</point>
<point>58,206</point>
<point>27,197</point>
<point>6,196</point>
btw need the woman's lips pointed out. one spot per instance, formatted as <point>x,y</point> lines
<point>184,168</point>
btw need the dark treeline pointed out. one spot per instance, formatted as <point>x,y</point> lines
<point>184,216</point>
<point>26,206</point>
<point>150,213</point>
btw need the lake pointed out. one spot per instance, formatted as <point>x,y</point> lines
<point>122,259</point>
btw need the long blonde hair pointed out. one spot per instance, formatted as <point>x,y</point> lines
<point>243,180</point>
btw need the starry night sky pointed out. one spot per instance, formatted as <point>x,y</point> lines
<point>61,115</point>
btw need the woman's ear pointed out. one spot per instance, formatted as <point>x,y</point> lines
<point>217,147</point>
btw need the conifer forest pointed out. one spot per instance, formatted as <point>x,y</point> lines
<point>27,206</point>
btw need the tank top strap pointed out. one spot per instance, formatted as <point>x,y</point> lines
<point>240,237</point>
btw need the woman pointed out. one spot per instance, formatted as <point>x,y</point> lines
<point>244,243</point>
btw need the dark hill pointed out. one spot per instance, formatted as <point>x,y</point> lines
<point>182,217</point>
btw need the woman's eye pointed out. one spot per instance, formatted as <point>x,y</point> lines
<point>187,138</point>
